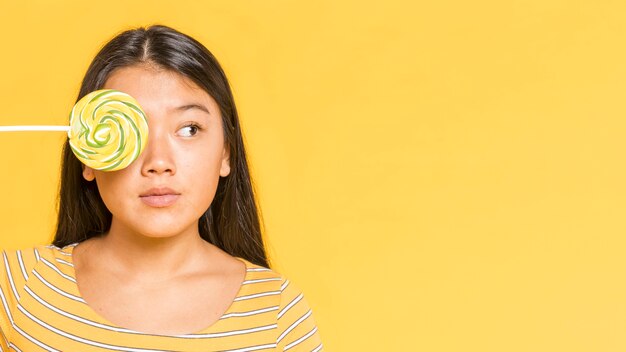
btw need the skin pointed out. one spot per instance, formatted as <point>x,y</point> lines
<point>152,272</point>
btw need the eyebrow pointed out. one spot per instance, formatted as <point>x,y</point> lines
<point>192,106</point>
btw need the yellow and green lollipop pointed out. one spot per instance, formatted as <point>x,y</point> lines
<point>108,130</point>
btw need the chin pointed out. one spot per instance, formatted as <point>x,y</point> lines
<point>157,228</point>
<point>164,232</point>
<point>156,234</point>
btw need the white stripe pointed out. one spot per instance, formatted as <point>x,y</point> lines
<point>252,312</point>
<point>6,306</point>
<point>293,326</point>
<point>64,262</point>
<point>14,348</point>
<point>260,280</point>
<point>33,340</point>
<point>300,339</point>
<point>10,276</point>
<point>269,293</point>
<point>75,317</point>
<point>80,339</point>
<point>4,336</point>
<point>294,301</point>
<point>57,270</point>
<point>37,254</point>
<point>318,348</point>
<point>258,269</point>
<point>283,286</point>
<point>22,267</point>
<point>62,250</point>
<point>54,288</point>
<point>253,348</point>
<point>229,333</point>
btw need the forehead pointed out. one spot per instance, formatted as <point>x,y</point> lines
<point>156,88</point>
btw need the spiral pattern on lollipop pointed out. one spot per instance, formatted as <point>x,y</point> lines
<point>108,130</point>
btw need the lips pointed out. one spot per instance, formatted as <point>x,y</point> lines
<point>159,197</point>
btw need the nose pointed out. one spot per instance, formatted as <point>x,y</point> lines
<point>158,156</point>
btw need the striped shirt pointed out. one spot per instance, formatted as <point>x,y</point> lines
<point>42,310</point>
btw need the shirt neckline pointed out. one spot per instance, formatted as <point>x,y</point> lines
<point>69,250</point>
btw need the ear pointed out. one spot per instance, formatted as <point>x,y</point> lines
<point>225,166</point>
<point>88,173</point>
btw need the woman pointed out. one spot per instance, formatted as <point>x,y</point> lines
<point>165,254</point>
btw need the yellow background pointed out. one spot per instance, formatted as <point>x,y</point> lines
<point>435,175</point>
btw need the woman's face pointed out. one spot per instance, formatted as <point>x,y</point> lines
<point>172,183</point>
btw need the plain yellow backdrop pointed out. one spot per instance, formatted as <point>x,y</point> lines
<point>435,175</point>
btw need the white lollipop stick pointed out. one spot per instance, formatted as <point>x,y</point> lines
<point>33,128</point>
<point>107,129</point>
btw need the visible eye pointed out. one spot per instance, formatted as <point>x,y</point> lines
<point>189,130</point>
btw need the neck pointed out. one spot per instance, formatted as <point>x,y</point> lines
<point>152,258</point>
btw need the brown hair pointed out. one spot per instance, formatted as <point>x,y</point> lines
<point>232,222</point>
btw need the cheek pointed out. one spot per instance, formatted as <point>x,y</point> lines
<point>109,188</point>
<point>202,159</point>
<point>204,174</point>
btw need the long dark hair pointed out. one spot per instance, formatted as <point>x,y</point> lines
<point>232,222</point>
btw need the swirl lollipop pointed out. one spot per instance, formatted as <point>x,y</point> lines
<point>108,130</point>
